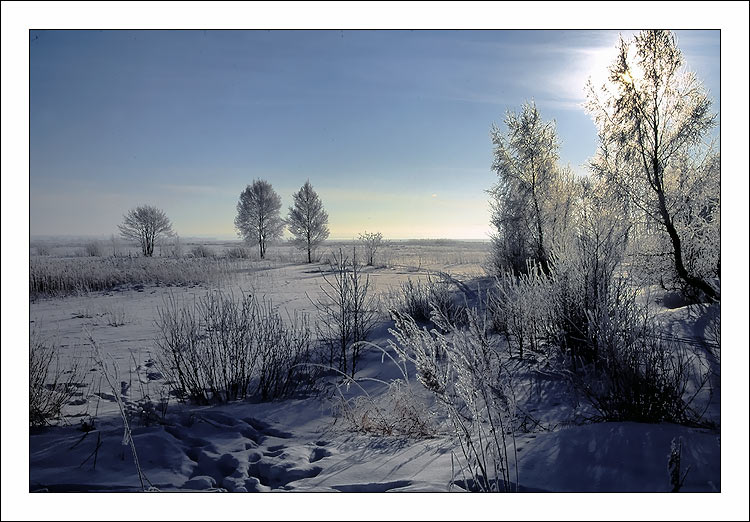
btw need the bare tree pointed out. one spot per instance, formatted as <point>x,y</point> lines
<point>348,311</point>
<point>532,199</point>
<point>651,117</point>
<point>307,220</point>
<point>146,225</point>
<point>258,219</point>
<point>372,241</point>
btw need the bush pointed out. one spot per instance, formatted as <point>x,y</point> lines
<point>51,387</point>
<point>171,248</point>
<point>419,299</point>
<point>638,375</point>
<point>93,249</point>
<point>587,274</point>
<point>372,242</point>
<point>239,253</point>
<point>201,251</point>
<point>464,371</point>
<point>520,307</point>
<point>222,349</point>
<point>588,308</point>
<point>347,312</point>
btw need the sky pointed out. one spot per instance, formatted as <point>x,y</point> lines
<point>390,127</point>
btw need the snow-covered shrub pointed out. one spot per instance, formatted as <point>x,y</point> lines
<point>586,273</point>
<point>220,349</point>
<point>42,250</point>
<point>201,251</point>
<point>396,412</point>
<point>419,298</point>
<point>347,312</point>
<point>239,252</point>
<point>93,249</point>
<point>520,307</point>
<point>170,248</point>
<point>372,242</point>
<point>465,372</point>
<point>51,386</point>
<point>638,374</point>
<point>282,348</point>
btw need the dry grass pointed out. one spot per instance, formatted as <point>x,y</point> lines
<point>66,276</point>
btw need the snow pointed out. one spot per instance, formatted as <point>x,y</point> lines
<point>301,444</point>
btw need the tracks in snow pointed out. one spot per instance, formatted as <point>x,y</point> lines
<point>244,455</point>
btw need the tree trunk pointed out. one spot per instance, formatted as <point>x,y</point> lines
<point>693,281</point>
<point>541,253</point>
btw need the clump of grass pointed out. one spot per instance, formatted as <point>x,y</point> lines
<point>464,370</point>
<point>397,412</point>
<point>115,316</point>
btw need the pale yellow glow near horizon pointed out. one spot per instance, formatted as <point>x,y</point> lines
<point>396,215</point>
<point>407,216</point>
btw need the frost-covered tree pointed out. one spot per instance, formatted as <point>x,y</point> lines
<point>532,199</point>
<point>258,219</point>
<point>146,225</point>
<point>653,120</point>
<point>372,241</point>
<point>308,221</point>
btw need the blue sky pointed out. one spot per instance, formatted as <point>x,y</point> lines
<point>391,127</point>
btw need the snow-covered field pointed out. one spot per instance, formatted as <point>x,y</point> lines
<point>311,443</point>
<point>305,443</point>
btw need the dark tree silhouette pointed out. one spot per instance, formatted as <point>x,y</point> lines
<point>308,221</point>
<point>258,220</point>
<point>146,225</point>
